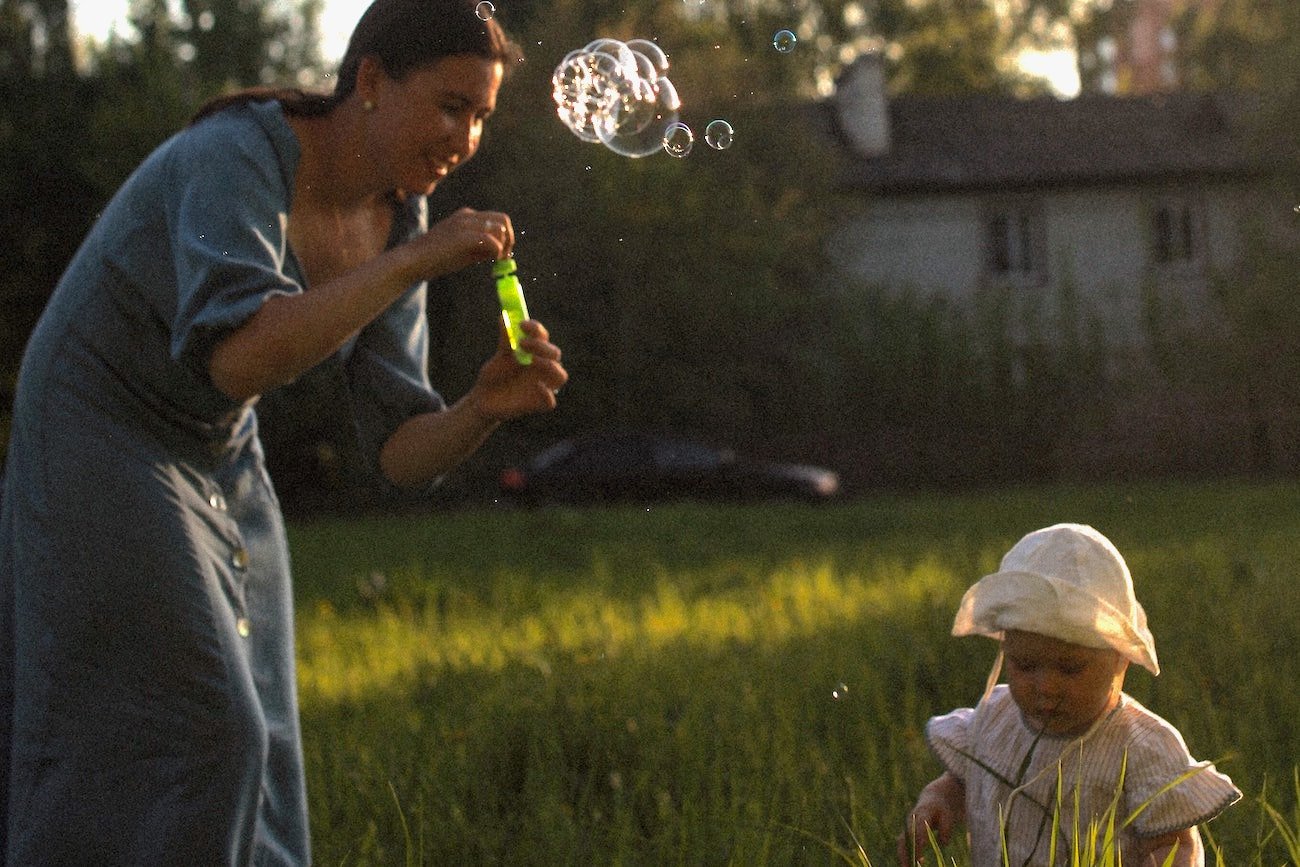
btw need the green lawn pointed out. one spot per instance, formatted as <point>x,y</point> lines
<point>743,685</point>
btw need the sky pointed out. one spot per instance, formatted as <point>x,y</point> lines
<point>94,18</point>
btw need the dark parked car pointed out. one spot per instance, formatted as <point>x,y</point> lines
<point>608,467</point>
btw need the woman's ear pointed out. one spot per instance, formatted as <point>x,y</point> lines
<point>369,72</point>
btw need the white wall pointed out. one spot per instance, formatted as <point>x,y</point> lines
<point>1098,238</point>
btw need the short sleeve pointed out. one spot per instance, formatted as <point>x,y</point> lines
<point>228,216</point>
<point>949,737</point>
<point>1169,790</point>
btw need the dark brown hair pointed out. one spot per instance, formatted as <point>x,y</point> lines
<point>404,36</point>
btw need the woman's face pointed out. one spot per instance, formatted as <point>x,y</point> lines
<point>1061,688</point>
<point>430,121</point>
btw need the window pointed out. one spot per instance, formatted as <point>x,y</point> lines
<point>1174,232</point>
<point>1013,240</point>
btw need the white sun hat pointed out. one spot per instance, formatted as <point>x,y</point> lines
<point>1067,582</point>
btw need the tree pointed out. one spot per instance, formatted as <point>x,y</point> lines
<point>50,201</point>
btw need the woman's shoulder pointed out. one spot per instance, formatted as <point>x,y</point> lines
<point>250,132</point>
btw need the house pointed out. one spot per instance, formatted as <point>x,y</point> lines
<point>1100,195</point>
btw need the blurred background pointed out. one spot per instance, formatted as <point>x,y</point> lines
<point>955,243</point>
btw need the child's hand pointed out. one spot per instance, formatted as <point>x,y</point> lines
<point>940,807</point>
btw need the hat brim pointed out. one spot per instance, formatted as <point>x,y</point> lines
<point>1030,602</point>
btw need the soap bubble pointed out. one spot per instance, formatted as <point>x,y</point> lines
<point>678,140</point>
<point>651,51</point>
<point>784,41</point>
<point>637,127</point>
<point>485,11</point>
<point>616,93</point>
<point>719,135</point>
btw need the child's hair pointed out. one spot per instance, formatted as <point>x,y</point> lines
<point>404,36</point>
<point>1067,582</point>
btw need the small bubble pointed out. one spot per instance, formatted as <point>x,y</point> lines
<point>678,140</point>
<point>840,690</point>
<point>485,10</point>
<point>719,135</point>
<point>784,41</point>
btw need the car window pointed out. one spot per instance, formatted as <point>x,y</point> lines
<point>552,455</point>
<point>678,454</point>
<point>610,456</point>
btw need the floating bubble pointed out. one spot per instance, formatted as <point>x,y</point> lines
<point>485,10</point>
<point>840,690</point>
<point>616,93</point>
<point>678,139</point>
<point>651,51</point>
<point>784,41</point>
<point>719,135</point>
<point>638,127</point>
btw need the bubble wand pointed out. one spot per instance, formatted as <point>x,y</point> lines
<point>513,308</point>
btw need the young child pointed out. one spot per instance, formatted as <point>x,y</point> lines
<point>1062,606</point>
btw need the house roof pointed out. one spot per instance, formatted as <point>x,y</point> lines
<point>982,141</point>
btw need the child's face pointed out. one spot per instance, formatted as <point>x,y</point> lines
<point>1061,688</point>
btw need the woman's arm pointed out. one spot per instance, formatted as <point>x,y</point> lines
<point>431,444</point>
<point>290,334</point>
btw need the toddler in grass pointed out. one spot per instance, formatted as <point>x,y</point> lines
<point>1050,753</point>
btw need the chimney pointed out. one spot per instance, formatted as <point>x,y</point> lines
<point>862,107</point>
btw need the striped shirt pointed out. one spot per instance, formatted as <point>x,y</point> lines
<point>1131,759</point>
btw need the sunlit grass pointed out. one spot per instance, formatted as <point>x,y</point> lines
<point>347,656</point>
<point>694,685</point>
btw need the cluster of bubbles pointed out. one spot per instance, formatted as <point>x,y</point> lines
<point>619,94</point>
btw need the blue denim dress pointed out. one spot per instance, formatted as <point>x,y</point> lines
<point>148,712</point>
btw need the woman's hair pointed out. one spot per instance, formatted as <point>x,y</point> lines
<point>403,36</point>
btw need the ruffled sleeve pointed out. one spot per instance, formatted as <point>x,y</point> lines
<point>949,737</point>
<point>1166,788</point>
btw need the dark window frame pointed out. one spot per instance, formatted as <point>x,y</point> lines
<point>1177,231</point>
<point>1014,234</point>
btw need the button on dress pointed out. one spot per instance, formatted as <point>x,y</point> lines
<point>147,696</point>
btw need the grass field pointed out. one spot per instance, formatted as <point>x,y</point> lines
<point>744,685</point>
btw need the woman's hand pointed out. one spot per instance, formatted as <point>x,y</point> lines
<point>506,389</point>
<point>464,238</point>
<point>432,444</point>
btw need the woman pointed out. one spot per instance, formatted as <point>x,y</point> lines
<point>145,606</point>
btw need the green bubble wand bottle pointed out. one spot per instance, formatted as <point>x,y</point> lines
<point>513,308</point>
